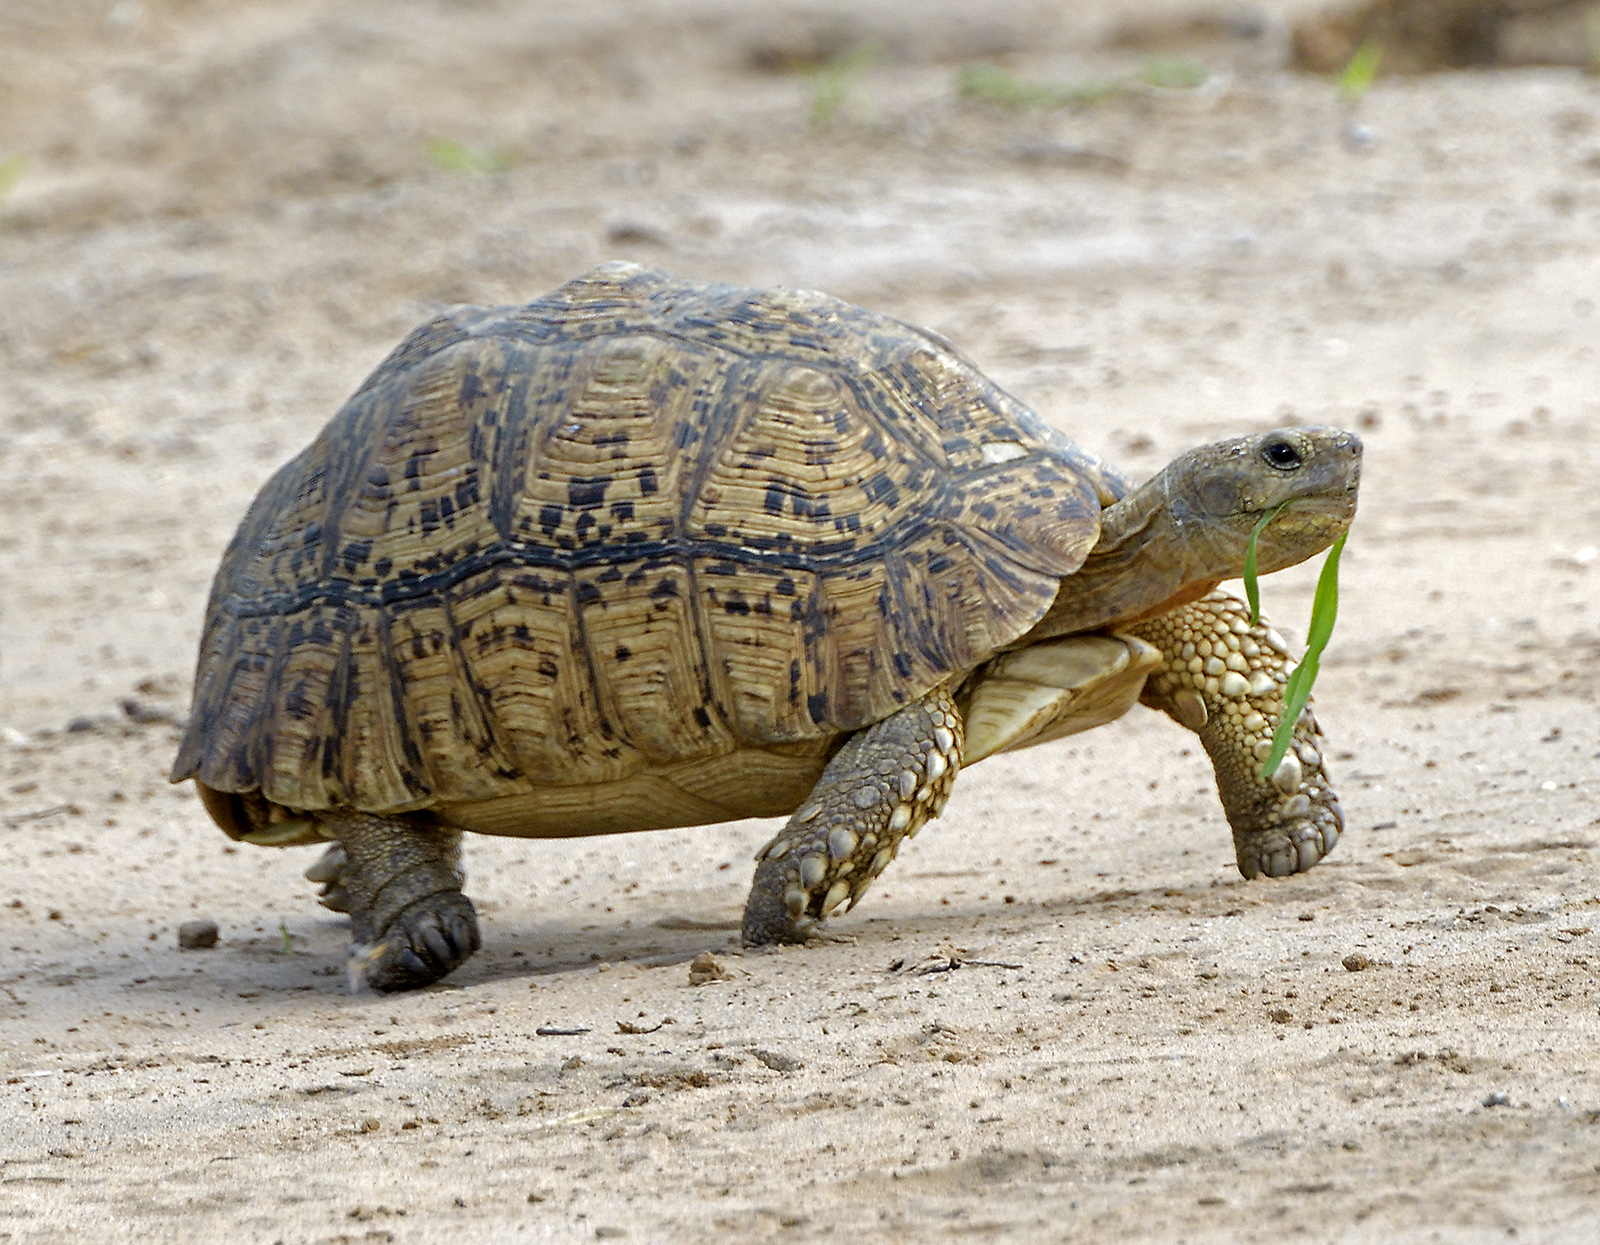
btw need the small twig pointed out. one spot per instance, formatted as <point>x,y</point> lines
<point>954,964</point>
<point>624,1027</point>
<point>557,1031</point>
<point>72,810</point>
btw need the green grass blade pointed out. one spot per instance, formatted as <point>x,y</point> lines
<point>11,171</point>
<point>835,79</point>
<point>1357,76</point>
<point>456,157</point>
<point>1174,73</point>
<point>1297,692</point>
<point>1325,605</point>
<point>989,84</point>
<point>1252,589</point>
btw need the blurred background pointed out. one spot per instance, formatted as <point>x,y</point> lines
<point>1156,221</point>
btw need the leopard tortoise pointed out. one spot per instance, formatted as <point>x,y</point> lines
<point>647,553</point>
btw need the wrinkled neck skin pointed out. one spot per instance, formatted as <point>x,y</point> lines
<point>1154,554</point>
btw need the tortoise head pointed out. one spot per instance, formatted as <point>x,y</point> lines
<point>1217,493</point>
<point>1178,535</point>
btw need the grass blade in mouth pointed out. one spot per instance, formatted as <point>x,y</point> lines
<point>1297,693</point>
<point>1252,590</point>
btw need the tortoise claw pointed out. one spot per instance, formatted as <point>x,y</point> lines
<point>426,941</point>
<point>327,869</point>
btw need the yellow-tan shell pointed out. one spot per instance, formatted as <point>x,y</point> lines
<point>639,527</point>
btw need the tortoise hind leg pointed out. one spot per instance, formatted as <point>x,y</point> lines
<point>1223,679</point>
<point>401,884</point>
<point>880,788</point>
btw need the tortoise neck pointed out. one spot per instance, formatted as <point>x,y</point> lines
<point>1150,558</point>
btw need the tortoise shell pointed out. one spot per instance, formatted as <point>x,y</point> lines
<point>639,553</point>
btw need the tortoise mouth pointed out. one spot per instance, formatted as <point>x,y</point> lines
<point>1315,505</point>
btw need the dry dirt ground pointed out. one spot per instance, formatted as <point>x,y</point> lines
<point>223,215</point>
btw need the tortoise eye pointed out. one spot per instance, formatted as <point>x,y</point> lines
<point>1281,455</point>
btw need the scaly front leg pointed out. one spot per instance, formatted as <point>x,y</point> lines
<point>880,788</point>
<point>1224,680</point>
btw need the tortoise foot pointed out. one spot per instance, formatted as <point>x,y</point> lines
<point>1296,842</point>
<point>883,786</point>
<point>423,943</point>
<point>327,871</point>
<point>401,884</point>
<point>768,919</point>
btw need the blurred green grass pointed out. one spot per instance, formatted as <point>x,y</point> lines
<point>835,79</point>
<point>990,84</point>
<point>454,157</point>
<point>11,170</point>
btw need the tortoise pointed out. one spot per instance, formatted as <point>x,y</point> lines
<point>647,552</point>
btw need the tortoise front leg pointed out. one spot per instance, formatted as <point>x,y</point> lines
<point>1223,679</point>
<point>401,885</point>
<point>880,788</point>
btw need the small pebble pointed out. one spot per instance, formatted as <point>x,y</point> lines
<point>1497,1099</point>
<point>777,1062</point>
<point>144,712</point>
<point>1356,962</point>
<point>1358,137</point>
<point>197,935</point>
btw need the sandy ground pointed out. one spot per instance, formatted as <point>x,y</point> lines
<point>227,213</point>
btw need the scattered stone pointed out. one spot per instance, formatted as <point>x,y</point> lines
<point>624,232</point>
<point>146,713</point>
<point>198,935</point>
<point>1356,962</point>
<point>1280,1016</point>
<point>1497,1099</point>
<point>370,1125</point>
<point>777,1062</point>
<point>1358,137</point>
<point>79,725</point>
<point>637,1099</point>
<point>537,1197</point>
<point>573,1064</point>
<point>704,969</point>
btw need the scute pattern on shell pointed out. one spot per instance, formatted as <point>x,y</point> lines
<point>634,523</point>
